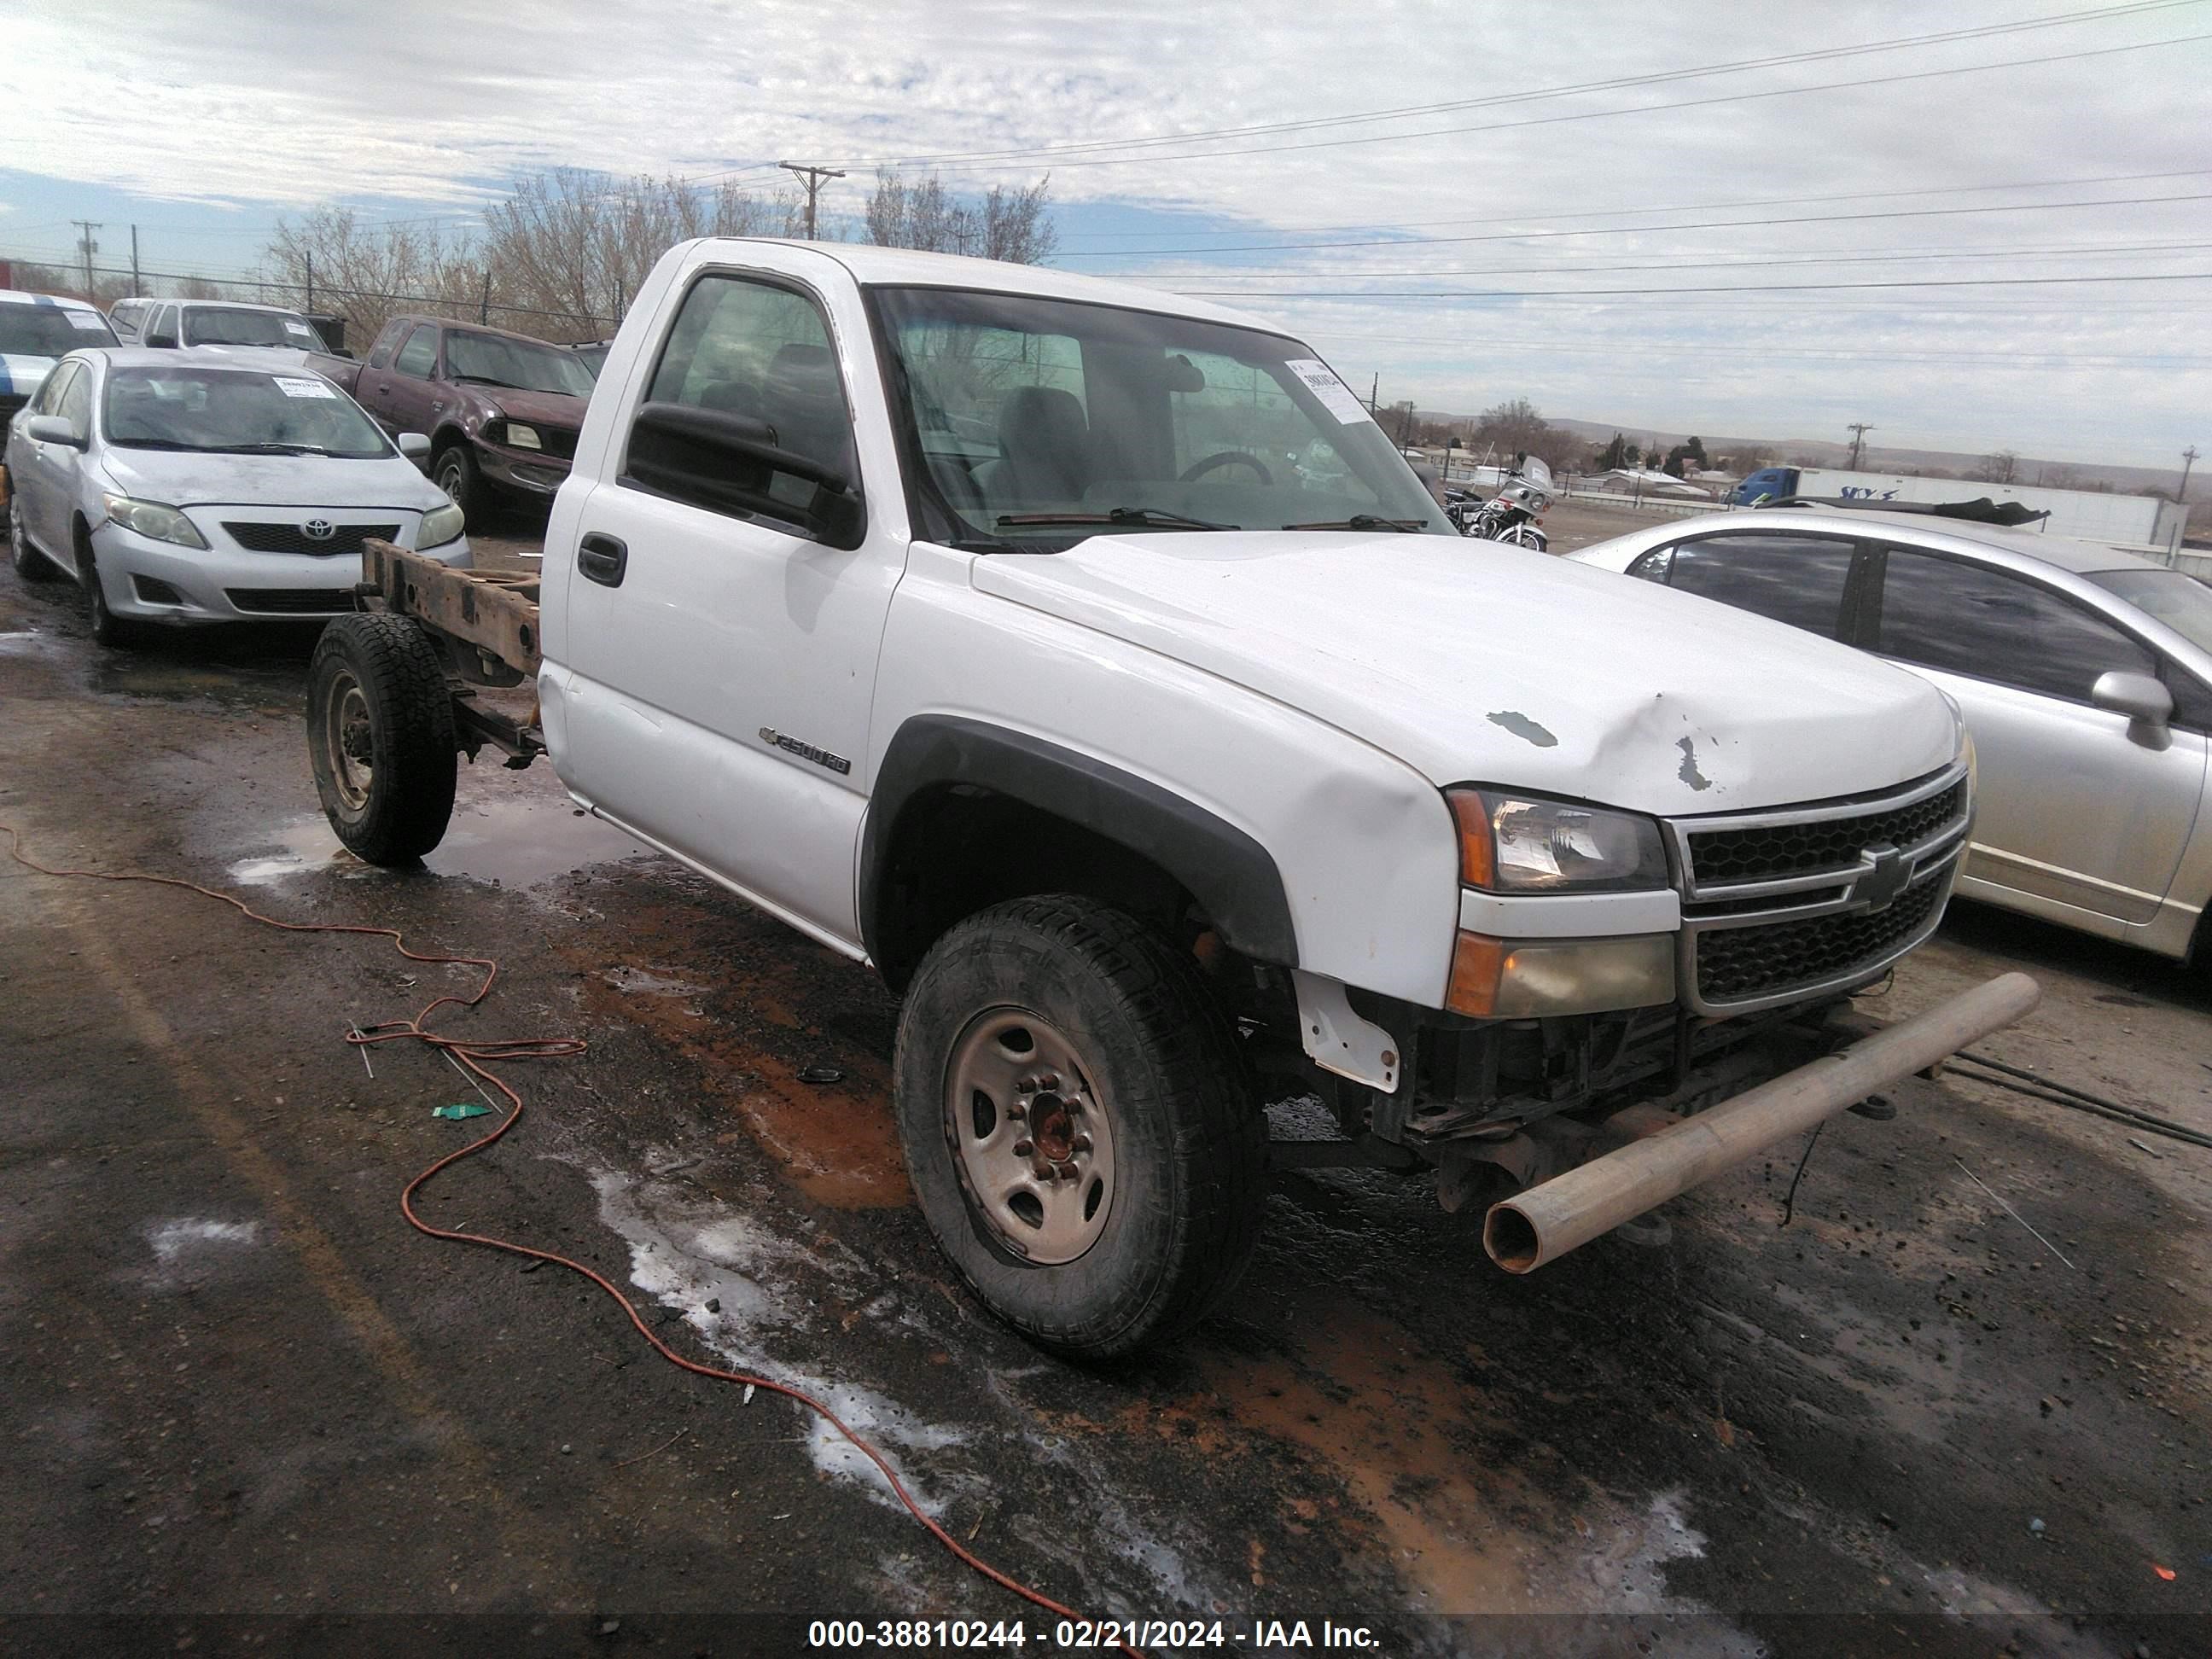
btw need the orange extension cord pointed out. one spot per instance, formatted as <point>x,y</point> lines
<point>475,1056</point>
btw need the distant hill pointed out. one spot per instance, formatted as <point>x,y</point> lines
<point>1821,451</point>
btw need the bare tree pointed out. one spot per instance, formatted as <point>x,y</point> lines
<point>568,249</point>
<point>2001,466</point>
<point>1516,428</point>
<point>368,273</point>
<point>1011,223</point>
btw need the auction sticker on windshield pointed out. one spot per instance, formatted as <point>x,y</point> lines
<point>1336,398</point>
<point>292,388</point>
<point>299,329</point>
<point>85,320</point>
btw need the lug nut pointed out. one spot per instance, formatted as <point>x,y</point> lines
<point>1049,1080</point>
<point>1024,1148</point>
<point>1081,1143</point>
<point>1017,1113</point>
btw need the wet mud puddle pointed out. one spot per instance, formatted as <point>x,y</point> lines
<point>511,842</point>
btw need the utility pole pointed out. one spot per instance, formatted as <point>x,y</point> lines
<point>483,308</point>
<point>134,261</point>
<point>310,306</point>
<point>87,248</point>
<point>1373,388</point>
<point>2187,460</point>
<point>1858,430</point>
<point>813,178</point>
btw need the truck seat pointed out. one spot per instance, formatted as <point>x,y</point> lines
<point>1044,444</point>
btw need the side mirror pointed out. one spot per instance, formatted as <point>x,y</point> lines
<point>53,429</point>
<point>732,464</point>
<point>2146,703</point>
<point>415,445</point>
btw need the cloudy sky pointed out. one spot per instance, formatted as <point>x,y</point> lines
<point>1743,220</point>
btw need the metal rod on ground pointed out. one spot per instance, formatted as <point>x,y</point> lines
<point>473,1083</point>
<point>2009,1211</point>
<point>1545,1222</point>
<point>363,1047</point>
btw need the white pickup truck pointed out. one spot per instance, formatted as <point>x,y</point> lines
<point>1085,660</point>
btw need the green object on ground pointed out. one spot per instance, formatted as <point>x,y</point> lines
<point>466,1108</point>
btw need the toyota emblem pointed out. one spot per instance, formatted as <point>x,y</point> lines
<point>319,530</point>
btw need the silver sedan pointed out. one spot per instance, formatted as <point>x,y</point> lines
<point>180,490</point>
<point>2085,677</point>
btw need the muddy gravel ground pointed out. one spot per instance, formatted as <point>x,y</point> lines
<point>249,1409</point>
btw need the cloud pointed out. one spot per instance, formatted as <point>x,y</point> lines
<point>235,102</point>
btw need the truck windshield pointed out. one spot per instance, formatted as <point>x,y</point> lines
<point>524,365</point>
<point>240,326</point>
<point>49,330</point>
<point>236,412</point>
<point>1039,421</point>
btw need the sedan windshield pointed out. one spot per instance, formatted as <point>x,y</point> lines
<point>236,412</point>
<point>49,330</point>
<point>2172,597</point>
<point>237,325</point>
<point>494,360</point>
<point>1041,422</point>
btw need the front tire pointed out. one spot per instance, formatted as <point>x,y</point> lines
<point>1079,1126</point>
<point>107,629</point>
<point>456,472</point>
<point>381,737</point>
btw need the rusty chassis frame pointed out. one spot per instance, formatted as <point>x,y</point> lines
<point>484,624</point>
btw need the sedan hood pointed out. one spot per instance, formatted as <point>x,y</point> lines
<point>553,408</point>
<point>1476,662</point>
<point>176,479</point>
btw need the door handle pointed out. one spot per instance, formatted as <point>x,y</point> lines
<point>602,559</point>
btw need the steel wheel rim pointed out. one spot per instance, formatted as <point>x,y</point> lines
<point>349,740</point>
<point>449,479</point>
<point>1033,1140</point>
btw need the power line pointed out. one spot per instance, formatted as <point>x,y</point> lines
<point>1648,230</point>
<point>1655,292</point>
<point>1679,207</point>
<point>1584,115</point>
<point>1049,153</point>
<point>813,178</point>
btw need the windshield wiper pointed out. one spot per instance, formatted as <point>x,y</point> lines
<point>157,443</point>
<point>1142,516</point>
<point>486,380</point>
<point>1363,522</point>
<point>269,449</point>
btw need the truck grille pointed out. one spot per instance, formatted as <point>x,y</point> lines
<point>294,538</point>
<point>1781,905</point>
<point>1743,964</point>
<point>1766,851</point>
<point>292,601</point>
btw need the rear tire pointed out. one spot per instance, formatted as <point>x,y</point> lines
<point>1118,1061</point>
<point>31,565</point>
<point>381,737</point>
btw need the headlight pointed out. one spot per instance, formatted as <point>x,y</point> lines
<point>1530,979</point>
<point>1518,844</point>
<point>152,521</point>
<point>439,525</point>
<point>522,437</point>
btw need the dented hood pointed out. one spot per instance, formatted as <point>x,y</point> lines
<point>1477,662</point>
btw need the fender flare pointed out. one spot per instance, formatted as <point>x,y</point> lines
<point>1224,868</point>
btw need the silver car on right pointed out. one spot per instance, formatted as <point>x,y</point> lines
<point>2085,676</point>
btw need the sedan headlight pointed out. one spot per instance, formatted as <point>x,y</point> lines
<point>439,525</point>
<point>519,436</point>
<point>1521,844</point>
<point>152,521</point>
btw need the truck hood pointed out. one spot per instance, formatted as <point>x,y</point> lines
<point>552,408</point>
<point>21,373</point>
<point>1477,662</point>
<point>175,479</point>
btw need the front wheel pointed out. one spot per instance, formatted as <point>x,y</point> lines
<point>381,737</point>
<point>457,473</point>
<point>31,565</point>
<point>107,629</point>
<point>1080,1129</point>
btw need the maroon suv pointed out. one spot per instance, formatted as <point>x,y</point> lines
<point>501,410</point>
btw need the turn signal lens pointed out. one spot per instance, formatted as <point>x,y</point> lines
<point>1524,979</point>
<point>1477,861</point>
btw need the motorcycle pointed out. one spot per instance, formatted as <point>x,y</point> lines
<point>1515,514</point>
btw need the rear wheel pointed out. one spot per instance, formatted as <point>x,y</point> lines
<point>31,565</point>
<point>381,737</point>
<point>1082,1133</point>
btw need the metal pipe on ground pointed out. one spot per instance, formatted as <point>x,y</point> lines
<point>1523,1232</point>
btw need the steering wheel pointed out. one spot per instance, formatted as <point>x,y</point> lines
<point>1199,469</point>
